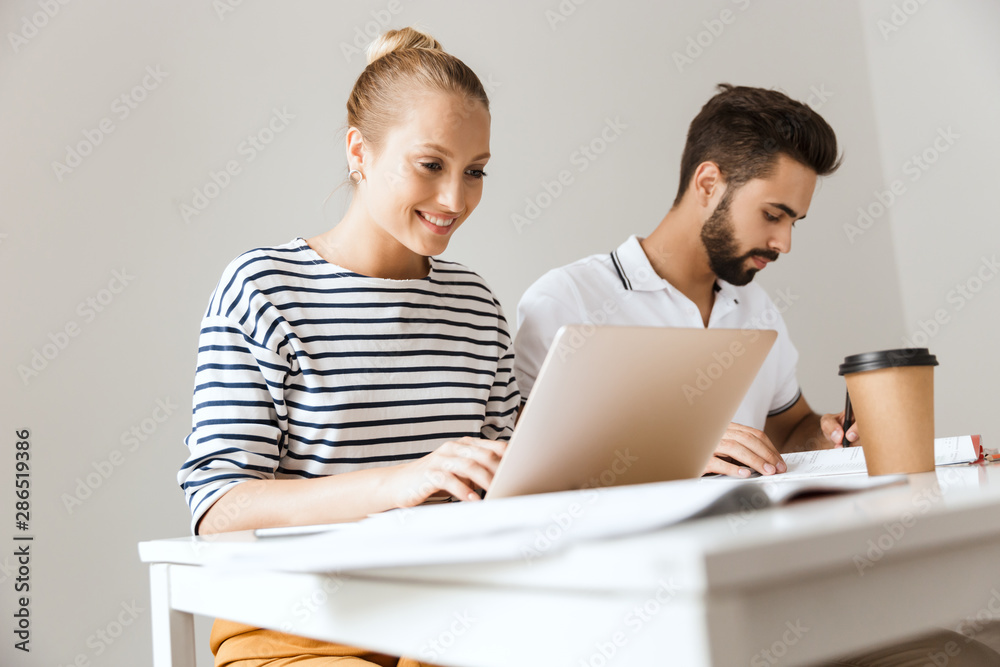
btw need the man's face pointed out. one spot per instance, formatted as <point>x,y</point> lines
<point>751,225</point>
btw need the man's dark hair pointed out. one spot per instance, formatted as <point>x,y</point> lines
<point>743,130</point>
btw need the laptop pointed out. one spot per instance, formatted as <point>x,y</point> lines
<point>616,405</point>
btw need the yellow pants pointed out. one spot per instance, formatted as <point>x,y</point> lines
<point>239,645</point>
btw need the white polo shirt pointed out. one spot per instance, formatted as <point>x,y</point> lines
<point>621,288</point>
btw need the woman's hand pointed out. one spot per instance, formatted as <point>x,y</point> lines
<point>457,468</point>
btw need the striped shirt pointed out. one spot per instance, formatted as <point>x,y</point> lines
<point>306,369</point>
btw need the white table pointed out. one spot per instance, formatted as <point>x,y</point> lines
<point>771,587</point>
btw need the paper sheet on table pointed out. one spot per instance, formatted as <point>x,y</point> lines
<point>825,462</point>
<point>511,528</point>
<point>953,451</point>
<point>500,529</point>
<point>851,460</point>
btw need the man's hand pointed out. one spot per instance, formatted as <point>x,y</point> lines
<point>799,429</point>
<point>833,429</point>
<point>743,448</point>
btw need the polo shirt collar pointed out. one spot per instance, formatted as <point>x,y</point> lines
<point>634,269</point>
<point>636,273</point>
<point>726,297</point>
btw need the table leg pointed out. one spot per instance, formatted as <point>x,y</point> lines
<point>173,631</point>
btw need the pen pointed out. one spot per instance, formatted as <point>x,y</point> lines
<point>848,421</point>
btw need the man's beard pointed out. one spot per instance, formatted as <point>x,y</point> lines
<point>719,239</point>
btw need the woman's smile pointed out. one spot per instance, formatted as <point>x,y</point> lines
<point>436,222</point>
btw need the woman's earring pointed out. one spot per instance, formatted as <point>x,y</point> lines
<point>350,177</point>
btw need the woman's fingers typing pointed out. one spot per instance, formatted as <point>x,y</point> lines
<point>457,467</point>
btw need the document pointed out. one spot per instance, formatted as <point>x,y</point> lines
<point>823,462</point>
<point>957,450</point>
<point>851,460</point>
<point>506,529</point>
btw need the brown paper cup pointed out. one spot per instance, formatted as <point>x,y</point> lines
<point>892,394</point>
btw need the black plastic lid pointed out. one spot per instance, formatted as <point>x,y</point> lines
<point>872,361</point>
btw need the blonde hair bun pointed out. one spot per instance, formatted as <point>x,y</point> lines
<point>397,40</point>
<point>401,64</point>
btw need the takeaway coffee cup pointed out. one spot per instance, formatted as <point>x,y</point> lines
<point>891,393</point>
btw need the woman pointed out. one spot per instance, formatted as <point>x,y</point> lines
<point>353,372</point>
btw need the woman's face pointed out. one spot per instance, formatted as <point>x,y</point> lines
<point>427,176</point>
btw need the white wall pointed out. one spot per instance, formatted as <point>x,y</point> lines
<point>935,70</point>
<point>556,85</point>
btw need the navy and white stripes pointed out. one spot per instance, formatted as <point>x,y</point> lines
<point>306,370</point>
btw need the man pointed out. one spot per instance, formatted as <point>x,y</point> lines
<point>748,173</point>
